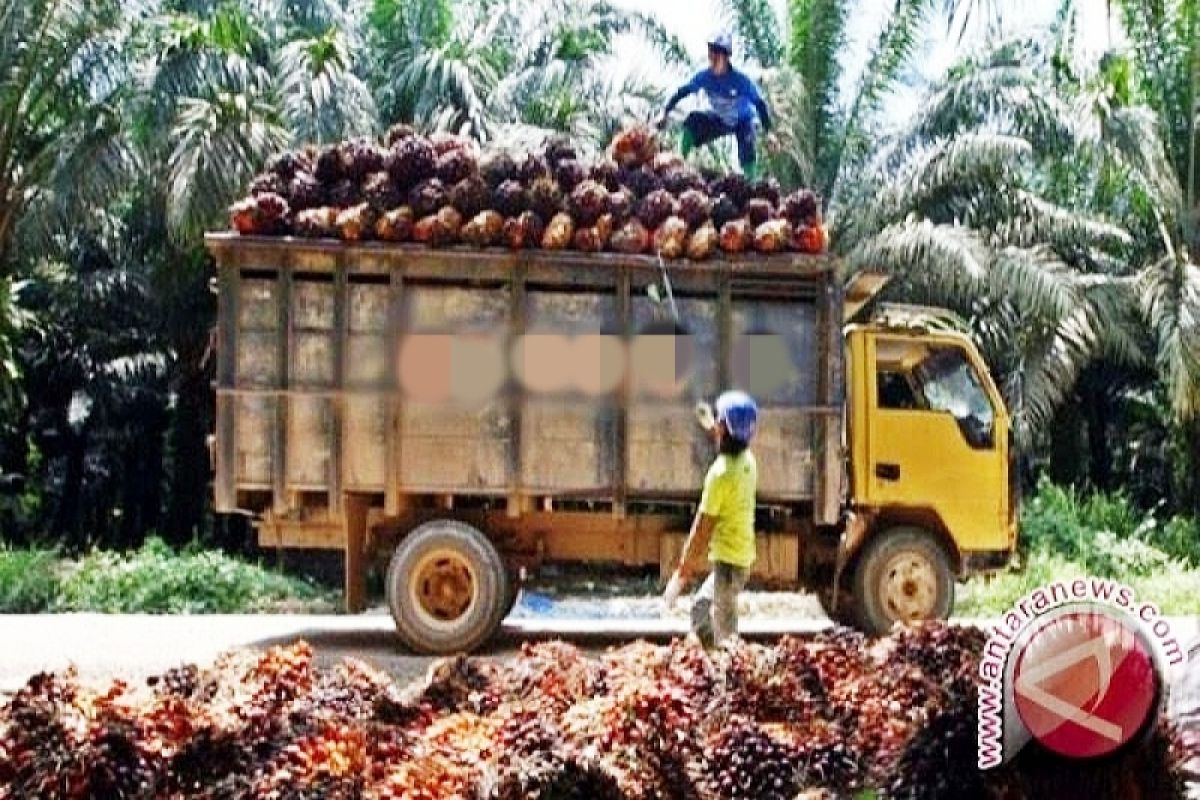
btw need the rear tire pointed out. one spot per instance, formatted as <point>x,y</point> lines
<point>902,575</point>
<point>447,588</point>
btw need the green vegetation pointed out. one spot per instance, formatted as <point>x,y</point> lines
<point>154,579</point>
<point>1066,534</point>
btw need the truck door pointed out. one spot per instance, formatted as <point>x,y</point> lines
<point>936,437</point>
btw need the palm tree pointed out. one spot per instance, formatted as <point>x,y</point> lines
<point>505,69</point>
<point>62,148</point>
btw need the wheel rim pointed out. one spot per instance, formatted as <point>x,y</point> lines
<point>443,588</point>
<point>909,587</point>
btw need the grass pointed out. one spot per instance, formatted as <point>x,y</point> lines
<point>154,579</point>
<point>1065,533</point>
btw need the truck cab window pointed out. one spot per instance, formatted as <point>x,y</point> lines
<point>895,391</point>
<point>948,382</point>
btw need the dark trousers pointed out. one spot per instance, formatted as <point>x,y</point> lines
<point>705,126</point>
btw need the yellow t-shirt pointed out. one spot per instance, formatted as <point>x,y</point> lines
<point>729,489</point>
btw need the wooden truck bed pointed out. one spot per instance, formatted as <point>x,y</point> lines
<point>308,412</point>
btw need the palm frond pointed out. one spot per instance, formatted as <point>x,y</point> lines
<point>758,27</point>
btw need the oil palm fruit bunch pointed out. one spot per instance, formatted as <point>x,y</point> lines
<point>621,204</point>
<point>666,161</point>
<point>634,147</point>
<point>345,193</point>
<point>766,189</point>
<point>631,238</point>
<point>640,181</point>
<point>559,232</point>
<point>802,207</point>
<point>439,229</point>
<point>398,132</point>
<point>264,214</point>
<point>606,173</point>
<point>470,196</point>
<point>497,167</point>
<point>360,158</point>
<point>682,179</point>
<point>695,207</point>
<point>772,236</point>
<point>656,207</point>
<point>395,225</point>
<point>411,160</point>
<point>595,237</point>
<point>357,222</point>
<point>531,168</point>
<point>427,197</point>
<point>733,186</point>
<point>317,223</point>
<point>559,148</point>
<point>724,210</point>
<point>455,165</point>
<point>736,236</point>
<point>381,192</point>
<point>305,191</point>
<point>588,202</point>
<point>545,197</point>
<point>759,211</point>
<point>569,173</point>
<point>444,142</point>
<point>269,183</point>
<point>484,229</point>
<point>670,239</point>
<point>810,239</point>
<point>703,243</point>
<point>510,198</point>
<point>523,231</point>
<point>327,164</point>
<point>288,163</point>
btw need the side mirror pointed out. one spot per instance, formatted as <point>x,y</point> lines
<point>705,416</point>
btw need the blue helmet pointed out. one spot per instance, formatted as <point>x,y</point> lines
<point>739,412</point>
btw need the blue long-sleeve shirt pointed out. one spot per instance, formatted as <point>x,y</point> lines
<point>733,96</point>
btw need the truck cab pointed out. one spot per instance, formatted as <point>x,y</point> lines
<point>930,496</point>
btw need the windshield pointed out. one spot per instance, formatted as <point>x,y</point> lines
<point>948,382</point>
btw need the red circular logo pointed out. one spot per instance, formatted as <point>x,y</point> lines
<point>1085,683</point>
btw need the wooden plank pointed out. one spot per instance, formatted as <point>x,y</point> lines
<point>516,327</point>
<point>830,390</point>
<point>341,333</point>
<point>279,451</point>
<point>392,439</point>
<point>620,445</point>
<point>355,558</point>
<point>225,477</point>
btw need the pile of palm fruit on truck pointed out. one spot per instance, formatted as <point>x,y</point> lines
<point>441,190</point>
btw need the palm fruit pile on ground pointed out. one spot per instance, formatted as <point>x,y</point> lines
<point>442,190</point>
<point>832,715</point>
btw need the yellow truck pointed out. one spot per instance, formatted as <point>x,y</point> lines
<point>457,418</point>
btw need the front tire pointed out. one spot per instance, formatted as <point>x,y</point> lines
<point>902,575</point>
<point>447,588</point>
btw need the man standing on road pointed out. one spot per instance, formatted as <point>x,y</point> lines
<point>724,522</point>
<point>734,100</point>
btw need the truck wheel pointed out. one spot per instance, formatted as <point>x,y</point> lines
<point>447,588</point>
<point>903,575</point>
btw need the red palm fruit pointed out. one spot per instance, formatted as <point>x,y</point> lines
<point>243,216</point>
<point>695,207</point>
<point>395,225</point>
<point>656,207</point>
<point>703,243</point>
<point>772,236</point>
<point>559,233</point>
<point>736,236</point>
<point>759,211</point>
<point>588,202</point>
<point>484,229</point>
<point>317,223</point>
<point>632,238</point>
<point>357,223</point>
<point>670,239</point>
<point>810,239</point>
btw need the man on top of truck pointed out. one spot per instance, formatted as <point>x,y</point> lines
<point>725,521</point>
<point>734,99</point>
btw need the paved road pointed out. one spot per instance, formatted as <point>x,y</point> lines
<point>132,646</point>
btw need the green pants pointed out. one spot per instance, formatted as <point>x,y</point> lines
<point>714,607</point>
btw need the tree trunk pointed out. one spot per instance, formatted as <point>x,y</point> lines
<point>1100,460</point>
<point>189,451</point>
